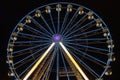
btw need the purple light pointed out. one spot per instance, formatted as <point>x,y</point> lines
<point>56,37</point>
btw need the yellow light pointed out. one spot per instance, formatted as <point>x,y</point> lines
<point>38,62</point>
<point>74,62</point>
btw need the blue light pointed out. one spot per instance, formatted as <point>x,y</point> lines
<point>57,38</point>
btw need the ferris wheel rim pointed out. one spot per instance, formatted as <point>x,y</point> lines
<point>111,50</point>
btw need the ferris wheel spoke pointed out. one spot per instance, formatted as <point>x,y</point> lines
<point>58,29</point>
<point>74,62</point>
<point>93,51</point>
<point>50,66</point>
<point>94,42</point>
<point>97,51</point>
<point>89,42</point>
<point>86,54</point>
<point>86,66</point>
<point>26,61</point>
<point>34,53</point>
<point>28,67</point>
<point>33,58</point>
<point>75,14</point>
<point>89,39</point>
<point>64,21</point>
<point>40,26</point>
<point>86,46</point>
<point>63,60</point>
<point>43,72</point>
<point>24,53</point>
<point>88,27</point>
<point>84,33</point>
<point>34,36</point>
<point>26,37</point>
<point>92,60</point>
<point>30,48</point>
<point>53,23</point>
<point>57,65</point>
<point>40,67</point>
<point>92,34</point>
<point>38,73</point>
<point>47,24</point>
<point>38,62</point>
<point>80,28</point>
<point>33,29</point>
<point>24,45</point>
<point>78,22</point>
<point>34,41</point>
<point>87,58</point>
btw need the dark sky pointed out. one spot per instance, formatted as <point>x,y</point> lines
<point>11,11</point>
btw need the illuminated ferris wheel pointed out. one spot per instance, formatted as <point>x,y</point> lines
<point>60,41</point>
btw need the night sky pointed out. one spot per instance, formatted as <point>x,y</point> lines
<point>11,11</point>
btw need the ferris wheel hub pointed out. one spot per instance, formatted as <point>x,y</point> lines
<point>57,38</point>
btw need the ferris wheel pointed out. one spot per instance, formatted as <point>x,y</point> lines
<point>60,41</point>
